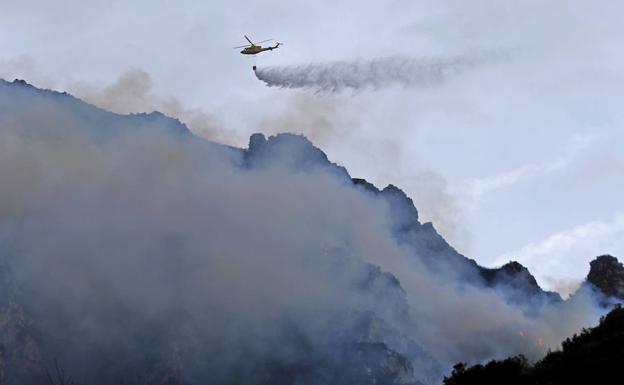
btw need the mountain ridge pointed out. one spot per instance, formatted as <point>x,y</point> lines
<point>259,145</point>
<point>371,338</point>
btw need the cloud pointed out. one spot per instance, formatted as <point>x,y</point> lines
<point>477,189</point>
<point>567,253</point>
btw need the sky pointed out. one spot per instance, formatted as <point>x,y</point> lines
<point>517,157</point>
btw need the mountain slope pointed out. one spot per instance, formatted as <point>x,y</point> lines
<point>138,249</point>
<point>594,356</point>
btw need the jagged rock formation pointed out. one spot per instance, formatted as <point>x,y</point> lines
<point>422,238</point>
<point>518,283</point>
<point>363,336</point>
<point>519,286</point>
<point>607,275</point>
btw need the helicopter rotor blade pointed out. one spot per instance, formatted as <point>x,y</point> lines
<point>264,41</point>
<point>242,46</point>
<point>250,42</point>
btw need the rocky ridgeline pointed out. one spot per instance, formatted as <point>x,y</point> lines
<point>363,348</point>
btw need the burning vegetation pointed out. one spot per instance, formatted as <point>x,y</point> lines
<point>594,356</point>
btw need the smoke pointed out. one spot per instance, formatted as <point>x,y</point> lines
<point>361,74</point>
<point>336,124</point>
<point>134,92</point>
<point>20,65</point>
<point>322,120</point>
<point>438,205</point>
<point>564,286</point>
<point>138,247</point>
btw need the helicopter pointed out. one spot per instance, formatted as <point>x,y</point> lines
<point>253,48</point>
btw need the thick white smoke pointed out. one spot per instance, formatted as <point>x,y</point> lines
<point>135,243</point>
<point>359,74</point>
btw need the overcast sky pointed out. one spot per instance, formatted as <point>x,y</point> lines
<point>517,158</point>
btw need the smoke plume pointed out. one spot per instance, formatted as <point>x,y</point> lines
<point>140,248</point>
<point>134,92</point>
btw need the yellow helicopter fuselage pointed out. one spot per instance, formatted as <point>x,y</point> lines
<point>255,49</point>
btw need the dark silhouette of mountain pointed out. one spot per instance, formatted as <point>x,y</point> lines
<point>293,150</point>
<point>361,347</point>
<point>607,275</point>
<point>594,356</point>
<point>60,108</point>
<point>513,279</point>
<point>362,341</point>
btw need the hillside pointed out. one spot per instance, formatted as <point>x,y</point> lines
<point>130,247</point>
<point>594,356</point>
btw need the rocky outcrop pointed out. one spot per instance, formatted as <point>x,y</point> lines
<point>20,357</point>
<point>607,275</point>
<point>517,284</point>
<point>513,280</point>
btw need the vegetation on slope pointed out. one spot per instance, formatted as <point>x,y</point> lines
<point>595,356</point>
